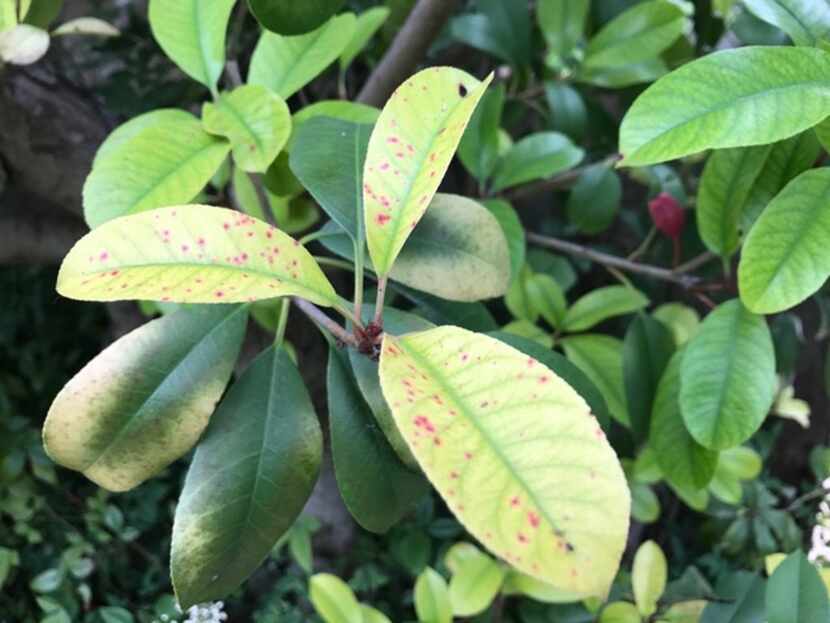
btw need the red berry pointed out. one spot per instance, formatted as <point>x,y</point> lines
<point>667,214</point>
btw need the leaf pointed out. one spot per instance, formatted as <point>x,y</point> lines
<point>645,505</point>
<point>23,44</point>
<point>334,600</point>
<point>432,598</point>
<point>683,321</point>
<point>192,34</point>
<point>733,98</point>
<point>742,593</point>
<point>372,615</point>
<point>648,577</point>
<point>647,349</point>
<point>250,477</point>
<point>161,381</point>
<point>685,464</point>
<point>409,153</point>
<point>601,304</point>
<point>621,76</point>
<point>637,35</point>
<point>327,157</point>
<point>536,157</point>
<point>165,163</point>
<point>620,612</point>
<point>191,254</point>
<point>528,330</point>
<point>569,113</point>
<point>479,146</point>
<point>368,23</point>
<point>474,584</point>
<point>526,473</point>
<point>254,120</point>
<point>43,12</point>
<point>547,299</point>
<point>513,231</point>
<point>785,258</point>
<point>500,28</point>
<point>472,316</point>
<point>8,14</point>
<point>725,187</point>
<point>293,214</point>
<point>86,26</point>
<point>123,134</point>
<point>727,378</point>
<point>595,199</point>
<point>338,109</point>
<point>377,488</point>
<point>293,18</point>
<point>286,64</point>
<point>807,22</point>
<point>600,358</point>
<point>563,24</point>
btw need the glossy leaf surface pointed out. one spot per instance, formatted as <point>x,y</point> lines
<point>293,18</point>
<point>536,157</point>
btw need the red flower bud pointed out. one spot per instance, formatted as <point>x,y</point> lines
<point>667,215</point>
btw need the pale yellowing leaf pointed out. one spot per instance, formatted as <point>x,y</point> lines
<point>87,26</point>
<point>410,150</point>
<point>334,600</point>
<point>515,453</point>
<point>191,254</point>
<point>23,45</point>
<point>648,577</point>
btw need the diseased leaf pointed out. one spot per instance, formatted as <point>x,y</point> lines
<point>192,34</point>
<point>377,488</point>
<point>685,464</point>
<point>167,162</point>
<point>409,153</point>
<point>600,305</point>
<point>286,64</point>
<point>191,254</point>
<point>807,22</point>
<point>785,258</point>
<point>733,98</point>
<point>368,23</point>
<point>536,157</point>
<point>725,186</point>
<point>448,410</point>
<point>648,577</point>
<point>161,381</point>
<point>600,358</point>
<point>250,477</point>
<point>432,598</point>
<point>256,121</point>
<point>293,18</point>
<point>727,378</point>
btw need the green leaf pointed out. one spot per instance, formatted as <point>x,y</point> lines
<point>563,24</point>
<point>530,331</point>
<point>733,98</point>
<point>685,464</point>
<point>527,473</point>
<point>727,378</point>
<point>795,592</point>
<point>648,577</point>
<point>546,299</point>
<point>47,581</point>
<point>513,231</point>
<point>191,254</point>
<point>8,14</point>
<point>645,505</point>
<point>595,199</point>
<point>114,615</point>
<point>807,22</point>
<point>432,598</point>
<point>338,109</point>
<point>43,12</point>
<point>372,615</point>
<point>377,488</point>
<point>785,257</point>
<point>161,381</point>
<point>569,114</point>
<point>501,28</point>
<point>479,147</point>
<point>472,316</point>
<point>725,186</point>
<point>638,35</point>
<point>742,593</point>
<point>647,349</point>
<point>601,304</point>
<point>368,23</point>
<point>621,76</point>
<point>327,157</point>
<point>474,584</point>
<point>536,157</point>
<point>683,321</point>
<point>293,18</point>
<point>293,214</point>
<point>123,134</point>
<point>192,34</point>
<point>250,477</point>
<point>164,163</point>
<point>740,462</point>
<point>286,64</point>
<point>334,600</point>
<point>600,358</point>
<point>620,612</point>
<point>409,153</point>
<point>254,120</point>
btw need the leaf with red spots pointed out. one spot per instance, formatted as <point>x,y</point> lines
<point>256,121</point>
<point>410,150</point>
<point>191,254</point>
<point>145,400</point>
<point>515,453</point>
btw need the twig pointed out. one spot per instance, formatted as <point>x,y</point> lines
<point>606,259</point>
<point>262,197</point>
<point>424,24</point>
<point>564,180</point>
<point>695,262</point>
<point>379,300</point>
<point>316,315</point>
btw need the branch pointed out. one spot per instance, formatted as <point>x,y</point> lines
<point>576,250</point>
<point>423,25</point>
<point>316,315</point>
